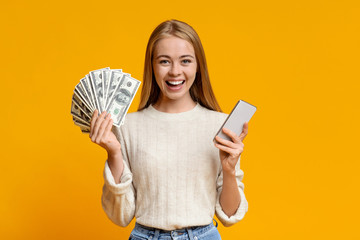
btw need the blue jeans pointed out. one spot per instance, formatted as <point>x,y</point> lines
<point>207,232</point>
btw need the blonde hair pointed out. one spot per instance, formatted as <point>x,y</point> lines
<point>201,90</point>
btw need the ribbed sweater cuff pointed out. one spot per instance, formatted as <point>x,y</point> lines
<point>122,187</point>
<point>240,213</point>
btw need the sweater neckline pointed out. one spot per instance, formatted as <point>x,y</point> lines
<point>190,114</point>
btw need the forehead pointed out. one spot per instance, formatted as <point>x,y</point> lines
<point>173,46</point>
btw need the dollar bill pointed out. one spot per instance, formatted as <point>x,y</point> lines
<point>87,89</point>
<point>122,97</point>
<point>80,120</point>
<point>115,78</point>
<point>82,106</point>
<point>76,111</point>
<point>113,85</point>
<point>103,89</point>
<point>81,95</point>
<point>106,81</point>
<point>97,87</point>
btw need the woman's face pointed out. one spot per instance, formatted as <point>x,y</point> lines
<point>174,66</point>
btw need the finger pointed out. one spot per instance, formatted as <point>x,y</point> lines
<point>93,120</point>
<point>232,152</point>
<point>225,142</point>
<point>232,135</point>
<point>98,122</point>
<point>102,129</point>
<point>108,127</point>
<point>244,131</point>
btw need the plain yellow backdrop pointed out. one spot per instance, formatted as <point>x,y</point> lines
<point>297,61</point>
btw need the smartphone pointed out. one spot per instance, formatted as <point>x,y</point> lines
<point>241,113</point>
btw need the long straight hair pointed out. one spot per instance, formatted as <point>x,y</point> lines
<point>201,90</point>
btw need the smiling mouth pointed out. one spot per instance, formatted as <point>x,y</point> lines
<point>175,83</point>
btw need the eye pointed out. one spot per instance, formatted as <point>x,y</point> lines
<point>164,61</point>
<point>186,61</point>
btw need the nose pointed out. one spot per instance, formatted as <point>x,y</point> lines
<point>175,69</point>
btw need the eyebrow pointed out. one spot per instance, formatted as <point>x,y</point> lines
<point>167,56</point>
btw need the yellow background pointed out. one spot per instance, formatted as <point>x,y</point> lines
<point>297,61</point>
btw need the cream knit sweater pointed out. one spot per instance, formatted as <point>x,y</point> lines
<point>172,177</point>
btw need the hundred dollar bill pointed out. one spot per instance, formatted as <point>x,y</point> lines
<point>97,87</point>
<point>81,105</point>
<point>80,120</point>
<point>103,89</point>
<point>122,97</point>
<point>106,81</point>
<point>81,95</point>
<point>114,80</point>
<point>86,86</point>
<point>76,111</point>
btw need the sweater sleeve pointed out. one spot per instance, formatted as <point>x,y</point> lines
<point>243,207</point>
<point>118,200</point>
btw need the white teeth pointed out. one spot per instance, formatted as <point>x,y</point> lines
<point>175,82</point>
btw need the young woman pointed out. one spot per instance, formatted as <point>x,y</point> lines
<point>163,167</point>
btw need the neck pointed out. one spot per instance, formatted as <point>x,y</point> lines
<point>174,106</point>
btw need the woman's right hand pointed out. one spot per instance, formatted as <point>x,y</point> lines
<point>101,134</point>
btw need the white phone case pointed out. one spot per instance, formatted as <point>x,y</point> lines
<point>241,113</point>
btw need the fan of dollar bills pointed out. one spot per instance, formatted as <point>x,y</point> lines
<point>105,89</point>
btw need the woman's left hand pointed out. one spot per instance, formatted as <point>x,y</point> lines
<point>230,151</point>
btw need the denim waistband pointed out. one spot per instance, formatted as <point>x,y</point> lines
<point>156,233</point>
